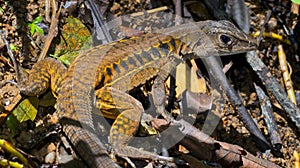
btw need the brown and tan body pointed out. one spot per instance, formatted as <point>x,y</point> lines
<point>102,76</point>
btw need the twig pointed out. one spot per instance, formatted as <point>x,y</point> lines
<point>273,35</point>
<point>215,10</point>
<point>16,152</point>
<point>178,12</point>
<point>7,163</point>
<point>274,87</point>
<point>286,75</point>
<point>297,159</point>
<point>47,12</point>
<point>216,72</point>
<point>5,61</point>
<point>11,55</point>
<point>227,67</point>
<point>206,148</point>
<point>99,18</point>
<point>238,12</point>
<point>288,31</point>
<point>160,9</point>
<point>263,25</point>
<point>266,109</point>
<point>17,99</point>
<point>52,30</point>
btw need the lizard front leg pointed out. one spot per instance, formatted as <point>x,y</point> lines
<point>126,124</point>
<point>158,89</point>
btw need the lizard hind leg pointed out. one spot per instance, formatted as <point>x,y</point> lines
<point>126,126</point>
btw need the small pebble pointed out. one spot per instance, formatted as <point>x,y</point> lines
<point>51,147</point>
<point>50,157</point>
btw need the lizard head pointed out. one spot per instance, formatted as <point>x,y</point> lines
<point>224,38</point>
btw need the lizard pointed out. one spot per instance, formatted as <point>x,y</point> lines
<point>102,76</point>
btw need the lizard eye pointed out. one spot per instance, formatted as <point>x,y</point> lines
<point>225,39</point>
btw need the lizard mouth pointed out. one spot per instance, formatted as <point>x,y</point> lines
<point>248,46</point>
<point>238,50</point>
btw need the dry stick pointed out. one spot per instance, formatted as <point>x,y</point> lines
<point>5,61</point>
<point>206,148</point>
<point>216,71</point>
<point>15,152</point>
<point>274,87</point>
<point>215,11</point>
<point>288,31</point>
<point>160,9</point>
<point>263,25</point>
<point>10,53</point>
<point>17,99</point>
<point>238,12</point>
<point>54,8</point>
<point>99,18</point>
<point>47,10</point>
<point>297,159</point>
<point>274,36</point>
<point>286,75</point>
<point>178,12</point>
<point>8,163</point>
<point>266,110</point>
<point>52,31</point>
<point>227,67</point>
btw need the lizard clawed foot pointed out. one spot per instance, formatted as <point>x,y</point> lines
<point>160,108</point>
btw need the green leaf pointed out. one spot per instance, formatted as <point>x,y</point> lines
<point>296,1</point>
<point>13,123</point>
<point>2,10</point>
<point>26,110</point>
<point>37,20</point>
<point>13,47</point>
<point>68,57</point>
<point>76,37</point>
<point>32,29</point>
<point>39,30</point>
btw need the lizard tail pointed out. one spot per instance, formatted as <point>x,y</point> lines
<point>91,149</point>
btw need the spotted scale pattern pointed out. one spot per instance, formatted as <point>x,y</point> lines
<point>115,69</point>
